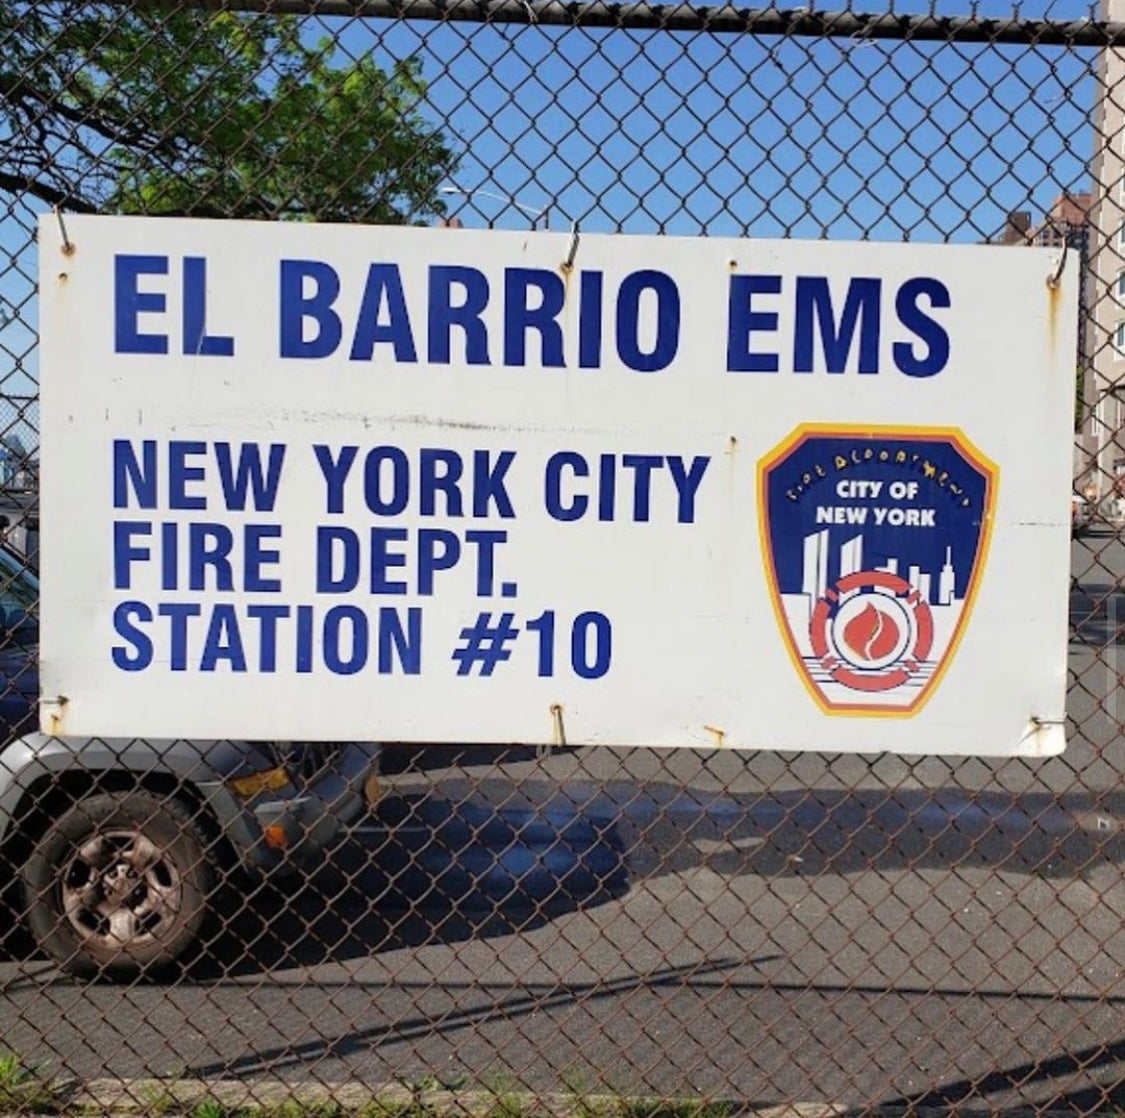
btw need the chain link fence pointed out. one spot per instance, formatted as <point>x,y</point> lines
<point>205,926</point>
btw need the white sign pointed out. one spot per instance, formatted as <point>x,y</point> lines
<point>353,482</point>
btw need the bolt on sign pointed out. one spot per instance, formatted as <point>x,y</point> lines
<point>327,482</point>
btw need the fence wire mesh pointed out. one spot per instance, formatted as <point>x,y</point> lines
<point>584,931</point>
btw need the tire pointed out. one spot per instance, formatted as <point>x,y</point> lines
<point>117,887</point>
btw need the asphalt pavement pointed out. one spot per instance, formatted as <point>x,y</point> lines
<point>761,927</point>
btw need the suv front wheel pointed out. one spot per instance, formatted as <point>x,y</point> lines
<point>117,886</point>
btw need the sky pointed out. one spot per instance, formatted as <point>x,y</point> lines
<point>692,134</point>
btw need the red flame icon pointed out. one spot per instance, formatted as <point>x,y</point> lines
<point>871,634</point>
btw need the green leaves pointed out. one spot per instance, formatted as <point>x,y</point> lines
<point>120,109</point>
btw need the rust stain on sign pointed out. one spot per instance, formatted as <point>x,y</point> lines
<point>56,718</point>
<point>1054,301</point>
<point>1037,737</point>
<point>1054,298</point>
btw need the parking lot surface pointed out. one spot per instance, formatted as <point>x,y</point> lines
<point>764,927</point>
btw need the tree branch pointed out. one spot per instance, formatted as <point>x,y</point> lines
<point>26,184</point>
<point>19,94</point>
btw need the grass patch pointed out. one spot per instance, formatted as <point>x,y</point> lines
<point>25,1092</point>
<point>508,1105</point>
<point>591,1097</point>
<point>157,1101</point>
<point>379,1107</point>
<point>212,1108</point>
<point>22,1088</point>
<point>209,1107</point>
<point>293,1108</point>
<point>671,1108</point>
<point>395,1108</point>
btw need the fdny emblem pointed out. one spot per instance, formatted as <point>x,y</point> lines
<point>874,542</point>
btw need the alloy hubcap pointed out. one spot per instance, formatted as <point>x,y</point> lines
<point>121,891</point>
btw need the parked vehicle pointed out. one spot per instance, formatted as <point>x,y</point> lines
<point>115,845</point>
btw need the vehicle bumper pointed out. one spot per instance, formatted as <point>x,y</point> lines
<point>272,832</point>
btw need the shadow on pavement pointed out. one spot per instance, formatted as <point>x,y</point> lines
<point>498,856</point>
<point>828,831</point>
<point>1029,1081</point>
<point>475,857</point>
<point>506,1003</point>
<point>426,870</point>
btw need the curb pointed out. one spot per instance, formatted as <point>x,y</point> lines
<point>158,1097</point>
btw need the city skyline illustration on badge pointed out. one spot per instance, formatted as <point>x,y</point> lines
<point>874,542</point>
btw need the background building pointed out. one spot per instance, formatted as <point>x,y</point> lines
<point>1067,222</point>
<point>1101,444</point>
<point>1072,222</point>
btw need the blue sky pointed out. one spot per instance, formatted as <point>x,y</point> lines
<point>689,134</point>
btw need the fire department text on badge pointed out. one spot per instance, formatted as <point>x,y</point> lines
<point>893,516</point>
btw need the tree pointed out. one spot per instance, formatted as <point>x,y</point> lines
<point>141,109</point>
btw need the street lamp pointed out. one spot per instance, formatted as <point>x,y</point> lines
<point>531,211</point>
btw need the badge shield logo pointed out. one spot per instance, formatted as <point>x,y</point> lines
<point>874,542</point>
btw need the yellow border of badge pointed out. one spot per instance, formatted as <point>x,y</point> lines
<point>929,434</point>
